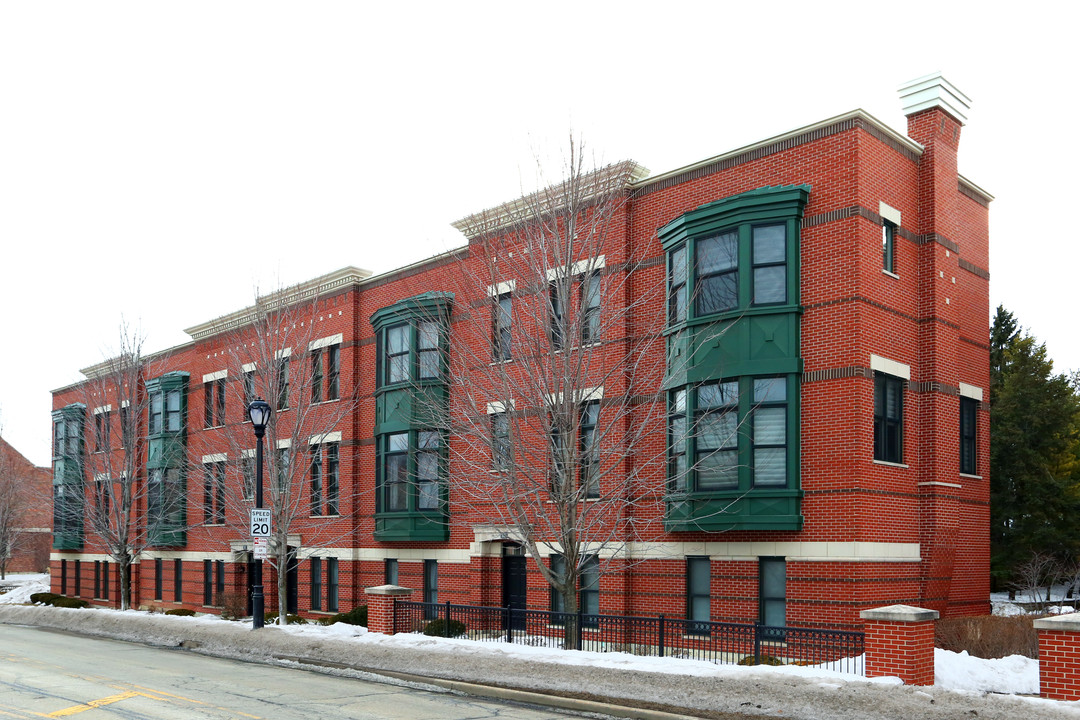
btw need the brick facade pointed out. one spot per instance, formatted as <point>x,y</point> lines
<point>853,532</point>
<point>32,523</point>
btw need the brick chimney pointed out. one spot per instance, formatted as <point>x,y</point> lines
<point>936,111</point>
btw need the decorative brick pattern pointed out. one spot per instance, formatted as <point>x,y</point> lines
<point>900,643</point>
<point>1059,657</point>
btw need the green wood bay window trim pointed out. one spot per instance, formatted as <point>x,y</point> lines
<point>166,482</point>
<point>733,364</point>
<point>410,400</point>
<point>734,255</point>
<point>69,449</point>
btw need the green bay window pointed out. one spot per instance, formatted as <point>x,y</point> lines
<point>166,460</point>
<point>411,401</point>
<point>733,370</point>
<point>68,491</point>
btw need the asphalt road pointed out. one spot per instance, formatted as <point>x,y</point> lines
<point>46,673</point>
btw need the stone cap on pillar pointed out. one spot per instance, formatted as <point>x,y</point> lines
<point>900,613</point>
<point>390,590</point>
<point>1061,623</point>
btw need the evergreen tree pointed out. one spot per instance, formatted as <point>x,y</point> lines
<point>1034,452</point>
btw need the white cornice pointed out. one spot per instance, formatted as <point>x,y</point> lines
<point>305,291</point>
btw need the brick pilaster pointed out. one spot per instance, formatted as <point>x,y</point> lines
<point>381,607</point>
<point>1059,657</point>
<point>900,642</point>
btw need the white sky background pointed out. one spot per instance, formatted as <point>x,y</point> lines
<point>158,161</point>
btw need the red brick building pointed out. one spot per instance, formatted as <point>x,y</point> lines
<point>823,295</point>
<point>24,497</point>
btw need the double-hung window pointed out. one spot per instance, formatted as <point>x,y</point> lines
<point>588,589</point>
<point>888,418</point>
<point>283,382</point>
<point>166,411</point>
<point>716,266</point>
<point>214,400</point>
<point>501,327</point>
<point>102,418</point>
<point>587,441</point>
<point>769,432</point>
<point>590,308</point>
<point>502,451</point>
<point>411,351</point>
<point>968,433</point>
<point>411,469</point>
<point>586,461</point>
<point>325,460</point>
<point>324,358</point>
<point>716,436</point>
<point>214,492</point>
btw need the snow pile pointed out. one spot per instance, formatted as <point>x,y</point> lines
<point>17,589</point>
<point>1015,674</point>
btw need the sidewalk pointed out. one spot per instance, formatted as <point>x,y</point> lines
<point>749,692</point>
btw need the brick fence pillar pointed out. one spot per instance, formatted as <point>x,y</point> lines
<point>1059,657</point>
<point>380,609</point>
<point>900,642</point>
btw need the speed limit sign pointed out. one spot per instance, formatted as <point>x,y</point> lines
<point>260,522</point>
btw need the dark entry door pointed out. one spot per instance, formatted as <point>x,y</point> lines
<point>514,587</point>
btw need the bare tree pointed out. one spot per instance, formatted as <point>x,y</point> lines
<point>284,350</point>
<point>14,503</point>
<point>117,499</point>
<point>555,376</point>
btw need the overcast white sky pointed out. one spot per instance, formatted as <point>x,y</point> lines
<point>158,161</point>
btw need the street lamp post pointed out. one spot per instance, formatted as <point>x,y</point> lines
<point>259,412</point>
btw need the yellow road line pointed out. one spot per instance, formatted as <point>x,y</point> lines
<point>97,703</point>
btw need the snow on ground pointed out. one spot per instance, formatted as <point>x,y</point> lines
<point>953,671</point>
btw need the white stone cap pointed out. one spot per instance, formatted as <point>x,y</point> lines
<point>900,613</point>
<point>1061,623</point>
<point>391,590</point>
<point>934,91</point>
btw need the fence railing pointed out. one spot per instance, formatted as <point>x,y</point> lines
<point>718,642</point>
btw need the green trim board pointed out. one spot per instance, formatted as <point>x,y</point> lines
<point>166,459</point>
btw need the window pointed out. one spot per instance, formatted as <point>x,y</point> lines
<point>283,383</point>
<point>63,577</point>
<point>888,418</point>
<point>428,356</point>
<point>324,479</point>
<point>431,581</point>
<point>284,465</point>
<point>502,453</point>
<point>588,589</point>
<point>398,341</point>
<point>68,489</point>
<point>208,583</point>
<point>97,578</point>
<point>968,432</point>
<point>220,582</point>
<point>332,584</point>
<point>333,372</point>
<point>558,292</point>
<point>734,253</point>
<point>590,476</point>
<point>411,470</point>
<point>214,493</point>
<point>316,376</point>
<point>716,437</point>
<point>772,606</point>
<point>166,503</point>
<point>698,594</point>
<point>158,578</point>
<point>590,308</point>
<point>501,326</point>
<point>247,474</point>
<point>390,571</point>
<point>316,583</point>
<point>769,432</point>
<point>249,389</point>
<point>102,430</point>
<point>731,435</point>
<point>888,247</point>
<point>214,402</point>
<point>677,272</point>
<point>78,578</point>
<point>166,411</point>
<point>104,579</point>
<point>103,496</point>
<point>127,426</point>
<point>178,580</point>
<point>717,273</point>
<point>770,264</point>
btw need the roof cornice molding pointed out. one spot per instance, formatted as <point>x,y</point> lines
<point>304,292</point>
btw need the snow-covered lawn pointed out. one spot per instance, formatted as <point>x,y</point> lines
<point>953,671</point>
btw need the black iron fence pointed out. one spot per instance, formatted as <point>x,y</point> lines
<point>718,642</point>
